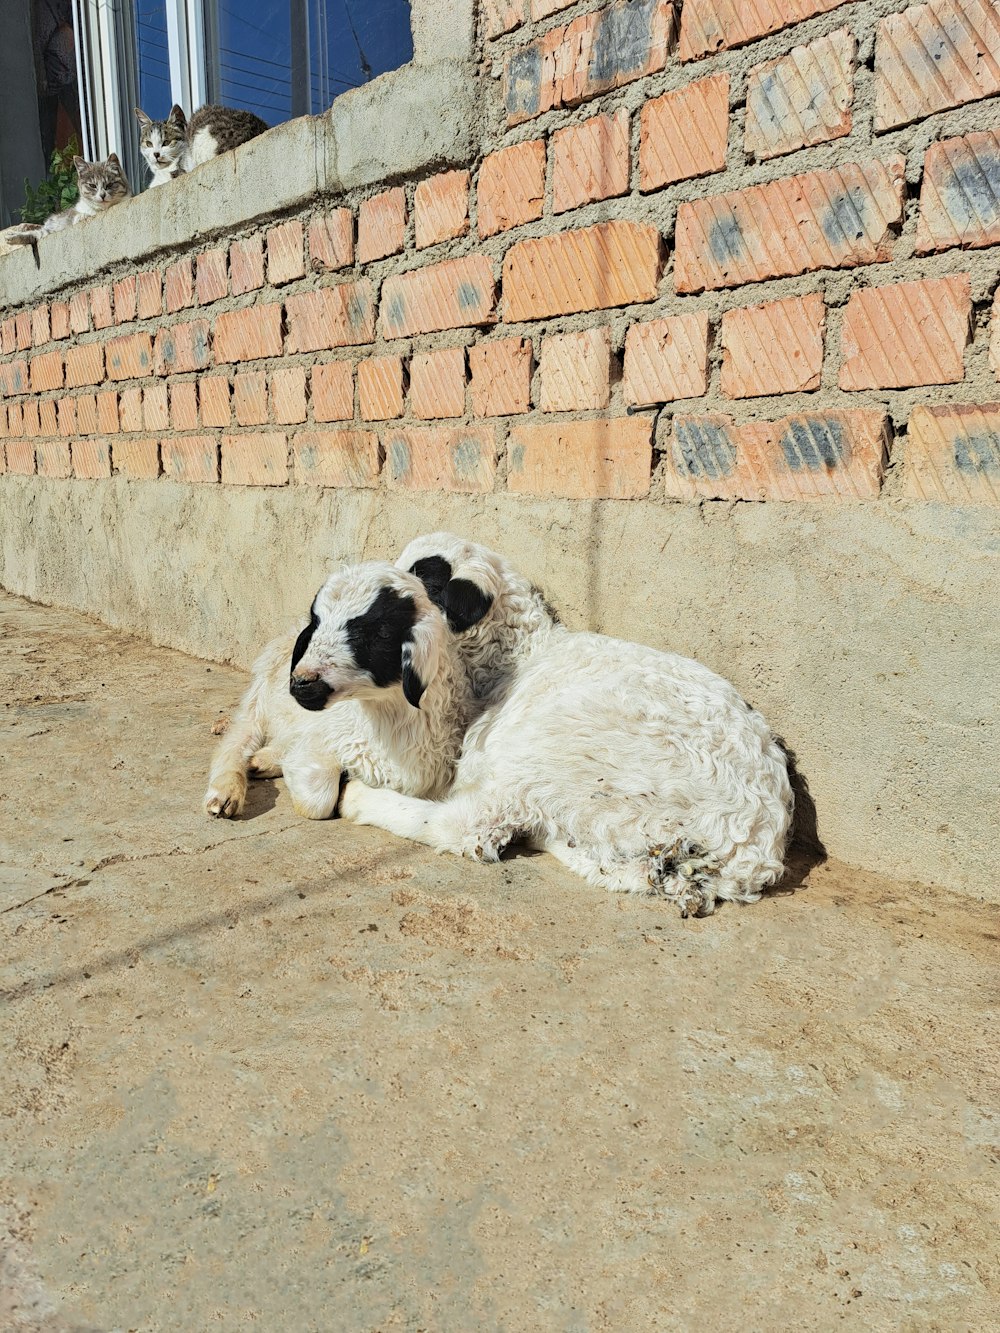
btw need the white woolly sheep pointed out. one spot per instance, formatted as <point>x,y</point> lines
<point>375,646</point>
<point>638,769</point>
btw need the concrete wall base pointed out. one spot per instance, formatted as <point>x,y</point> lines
<point>866,633</point>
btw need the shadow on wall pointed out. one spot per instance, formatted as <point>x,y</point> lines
<point>805,848</point>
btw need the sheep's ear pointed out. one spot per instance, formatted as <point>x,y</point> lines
<point>465,604</point>
<point>420,657</point>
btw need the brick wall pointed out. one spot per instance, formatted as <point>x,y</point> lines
<point>714,251</point>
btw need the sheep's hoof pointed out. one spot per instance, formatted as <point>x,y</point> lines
<point>492,843</point>
<point>225,803</point>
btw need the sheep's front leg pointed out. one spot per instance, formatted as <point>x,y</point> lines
<point>430,822</point>
<point>227,781</point>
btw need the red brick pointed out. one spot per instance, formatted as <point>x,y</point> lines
<point>717,25</point>
<point>125,299</point>
<point>14,377</point>
<point>141,458</point>
<point>255,460</point>
<point>3,432</point>
<point>995,335</point>
<point>684,133</point>
<point>380,388</point>
<point>773,348</point>
<point>331,240</point>
<point>960,193</point>
<point>8,335</point>
<point>59,320</point>
<point>84,365</point>
<point>53,459</point>
<point>79,313</point>
<point>381,225</point>
<point>906,334</point>
<point>594,54</point>
<point>46,372</point>
<point>149,294</point>
<point>86,415</point>
<point>614,263</point>
<point>22,330</point>
<point>182,348</point>
<point>100,307</point>
<point>213,400</point>
<point>247,335</point>
<point>500,16</point>
<point>450,295</point>
<point>824,219</point>
<point>246,265</point>
<point>21,456</point>
<point>442,458</point>
<point>250,399</point>
<point>192,458</point>
<point>15,420</point>
<point>441,208</point>
<point>91,459</point>
<point>285,257</point>
<point>184,405</point>
<point>576,371</point>
<point>333,391</point>
<point>437,383</point>
<point>130,409</point>
<point>48,422</point>
<point>155,412</point>
<point>212,279</point>
<point>804,98</point>
<point>67,416</point>
<point>336,458</point>
<point>666,359</point>
<point>288,395</point>
<point>107,412</point>
<point>178,285</point>
<point>935,56</point>
<point>953,454</point>
<point>129,357</point>
<point>511,188</point>
<point>590,161</point>
<point>40,332</point>
<point>541,9</point>
<point>501,377</point>
<point>341,316</point>
<point>29,418</point>
<point>582,460</point>
<point>810,456</point>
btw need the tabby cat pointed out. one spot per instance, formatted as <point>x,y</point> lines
<point>176,145</point>
<point>102,185</point>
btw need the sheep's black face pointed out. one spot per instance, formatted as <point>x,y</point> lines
<point>462,601</point>
<point>376,637</point>
<point>360,639</point>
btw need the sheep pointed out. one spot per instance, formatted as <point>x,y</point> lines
<point>638,769</point>
<point>375,646</point>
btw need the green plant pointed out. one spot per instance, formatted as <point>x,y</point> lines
<point>59,190</point>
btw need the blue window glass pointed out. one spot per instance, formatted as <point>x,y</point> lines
<point>283,58</point>
<point>154,64</point>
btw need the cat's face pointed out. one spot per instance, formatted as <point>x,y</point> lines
<point>102,184</point>
<point>162,141</point>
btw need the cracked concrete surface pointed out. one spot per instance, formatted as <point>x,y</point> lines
<point>307,1077</point>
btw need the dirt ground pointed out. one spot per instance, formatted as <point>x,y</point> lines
<point>308,1077</point>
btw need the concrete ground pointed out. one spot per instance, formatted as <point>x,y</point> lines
<point>307,1077</point>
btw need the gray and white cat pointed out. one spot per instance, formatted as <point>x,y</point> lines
<point>102,185</point>
<point>176,145</point>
